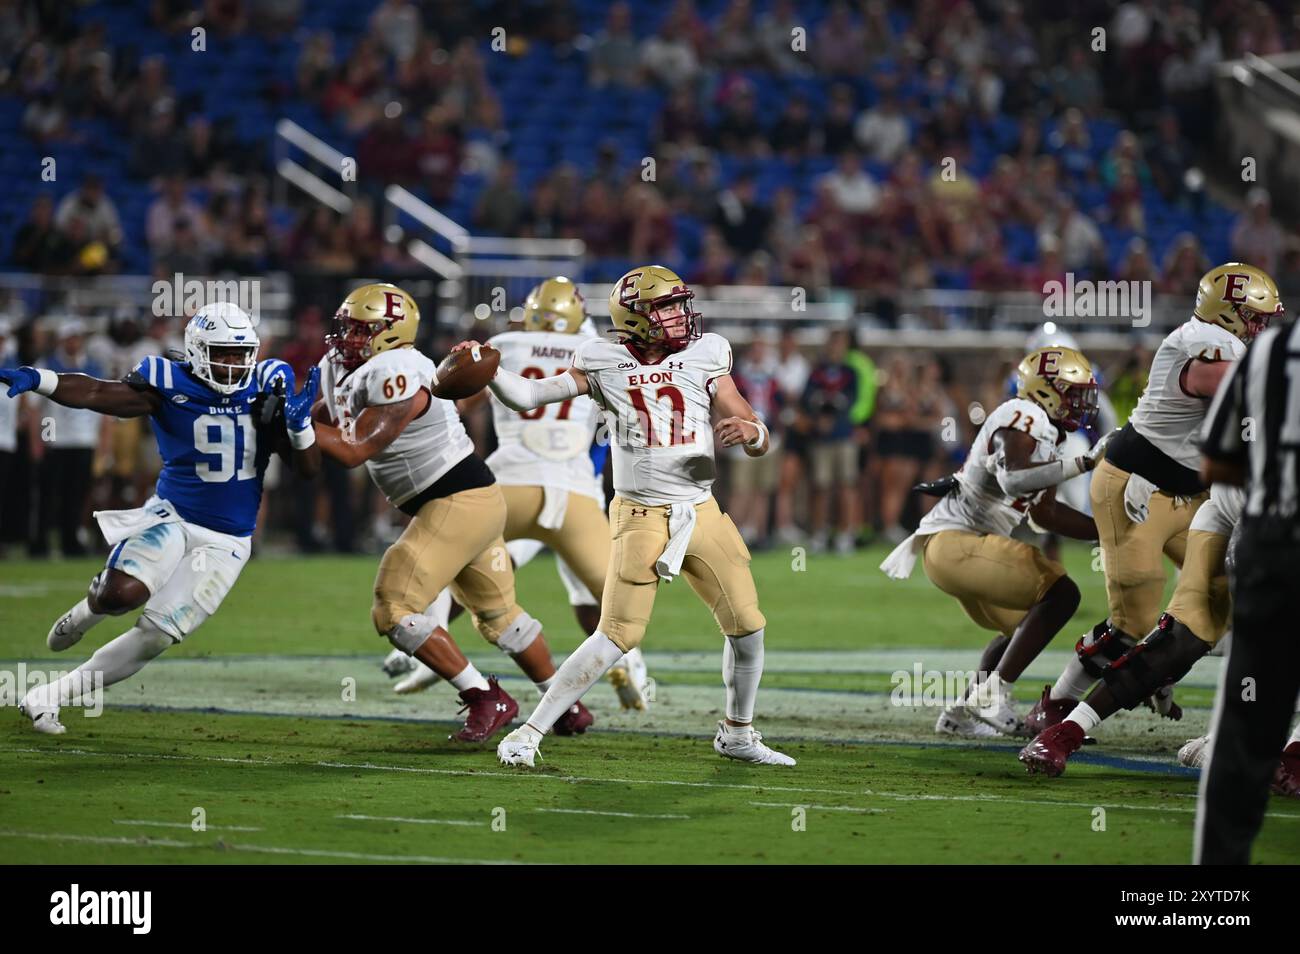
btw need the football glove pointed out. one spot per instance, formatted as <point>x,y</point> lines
<point>20,380</point>
<point>297,407</point>
<point>938,488</point>
<point>1098,451</point>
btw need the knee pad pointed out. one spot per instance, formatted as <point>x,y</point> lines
<point>409,634</point>
<point>513,638</point>
<point>1160,660</point>
<point>1101,647</point>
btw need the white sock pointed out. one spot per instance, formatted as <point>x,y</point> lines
<point>742,668</point>
<point>580,672</point>
<point>545,683</point>
<point>116,660</point>
<point>1085,717</point>
<point>440,608</point>
<point>1074,681</point>
<point>83,618</point>
<point>468,678</point>
<point>1295,734</point>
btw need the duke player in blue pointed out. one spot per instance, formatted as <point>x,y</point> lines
<point>218,416</point>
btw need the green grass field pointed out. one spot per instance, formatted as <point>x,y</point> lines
<point>275,724</point>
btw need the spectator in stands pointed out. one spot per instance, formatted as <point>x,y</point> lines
<point>849,187</point>
<point>150,87</point>
<point>45,120</point>
<point>1256,238</point>
<point>1170,158</point>
<point>438,153</point>
<point>90,206</point>
<point>837,46</point>
<point>64,440</point>
<point>501,205</point>
<point>740,217</point>
<point>1076,83</point>
<point>158,149</point>
<point>1136,265</point>
<point>791,371</point>
<point>1184,264</point>
<point>613,60</point>
<point>668,59</point>
<point>717,263</point>
<point>792,135</point>
<point>777,39</point>
<point>172,207</point>
<point>396,25</point>
<point>200,151</point>
<point>751,487</point>
<point>837,128</point>
<point>649,226</point>
<point>38,245</point>
<point>187,253</point>
<point>738,130</point>
<point>315,65</point>
<point>882,131</point>
<point>1081,245</point>
<point>828,398</point>
<point>784,226</point>
<point>387,153</point>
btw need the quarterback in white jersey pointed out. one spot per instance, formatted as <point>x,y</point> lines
<point>1147,491</point>
<point>1008,586</point>
<point>659,387</point>
<point>381,408</point>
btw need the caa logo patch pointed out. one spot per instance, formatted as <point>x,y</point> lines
<point>179,398</point>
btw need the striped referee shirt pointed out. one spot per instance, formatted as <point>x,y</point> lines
<point>1254,421</point>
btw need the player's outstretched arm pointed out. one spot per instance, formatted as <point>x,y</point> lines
<point>80,390</point>
<point>1056,517</point>
<point>1018,475</point>
<point>376,428</point>
<point>523,394</point>
<point>739,423</point>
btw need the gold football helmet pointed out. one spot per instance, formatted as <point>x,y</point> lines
<point>1239,297</point>
<point>554,305</point>
<point>1060,381</point>
<point>637,298</point>
<point>373,318</point>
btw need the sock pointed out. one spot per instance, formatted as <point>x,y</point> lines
<point>1074,682</point>
<point>469,678</point>
<point>1085,717</point>
<point>742,668</point>
<point>83,618</point>
<point>1295,735</point>
<point>116,660</point>
<point>580,672</point>
<point>545,683</point>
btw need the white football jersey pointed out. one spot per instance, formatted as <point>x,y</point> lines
<point>659,416</point>
<point>1168,416</point>
<point>981,505</point>
<point>1221,512</point>
<point>430,446</point>
<point>549,446</point>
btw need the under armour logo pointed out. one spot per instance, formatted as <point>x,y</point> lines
<point>676,364</point>
<point>501,707</point>
<point>640,511</point>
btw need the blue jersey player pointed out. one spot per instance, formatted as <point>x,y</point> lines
<point>218,415</point>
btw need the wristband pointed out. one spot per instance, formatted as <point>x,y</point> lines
<point>302,439</point>
<point>762,435</point>
<point>49,381</point>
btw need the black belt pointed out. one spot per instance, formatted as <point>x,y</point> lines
<point>1132,452</point>
<point>467,474</point>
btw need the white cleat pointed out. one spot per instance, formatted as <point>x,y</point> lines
<point>520,747</point>
<point>990,703</point>
<point>397,663</point>
<point>628,677</point>
<point>958,721</point>
<point>1194,752</point>
<point>745,744</point>
<point>63,634</point>
<point>420,678</point>
<point>46,722</point>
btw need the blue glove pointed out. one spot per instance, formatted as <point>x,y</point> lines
<point>297,407</point>
<point>20,380</point>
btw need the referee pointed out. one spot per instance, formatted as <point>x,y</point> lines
<point>1252,439</point>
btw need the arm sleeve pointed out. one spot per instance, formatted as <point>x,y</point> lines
<point>1221,436</point>
<point>1018,483</point>
<point>523,394</point>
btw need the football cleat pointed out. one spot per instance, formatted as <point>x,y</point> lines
<point>421,677</point>
<point>1194,752</point>
<point>1286,779</point>
<point>1048,712</point>
<point>489,709</point>
<point>397,663</point>
<point>520,747</point>
<point>990,703</point>
<point>745,744</point>
<point>64,634</point>
<point>46,722</point>
<point>628,677</point>
<point>957,721</point>
<point>1048,752</point>
<point>575,721</point>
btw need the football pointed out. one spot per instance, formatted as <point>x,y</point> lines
<point>463,373</point>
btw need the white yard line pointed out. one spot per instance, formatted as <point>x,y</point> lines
<point>589,811</point>
<point>255,849</point>
<point>822,808</point>
<point>414,821</point>
<point>570,779</point>
<point>145,823</point>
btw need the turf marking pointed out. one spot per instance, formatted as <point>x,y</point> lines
<point>823,808</point>
<point>415,821</point>
<point>145,823</point>
<point>589,811</point>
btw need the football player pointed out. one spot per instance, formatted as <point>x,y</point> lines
<point>217,417</point>
<point>658,387</point>
<point>544,464</point>
<point>1286,778</point>
<point>379,409</point>
<point>1008,586</point>
<point>1147,491</point>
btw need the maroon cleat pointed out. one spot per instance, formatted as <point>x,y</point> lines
<point>1286,780</point>
<point>574,722</point>
<point>1051,748</point>
<point>489,709</point>
<point>1048,712</point>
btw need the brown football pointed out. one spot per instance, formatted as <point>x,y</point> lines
<point>463,373</point>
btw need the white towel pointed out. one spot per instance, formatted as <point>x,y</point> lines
<point>681,524</point>
<point>1137,498</point>
<point>117,525</point>
<point>902,559</point>
<point>555,504</point>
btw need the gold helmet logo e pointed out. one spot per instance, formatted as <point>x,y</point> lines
<point>636,300</point>
<point>1060,381</point>
<point>1238,297</point>
<point>554,305</point>
<point>372,319</point>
